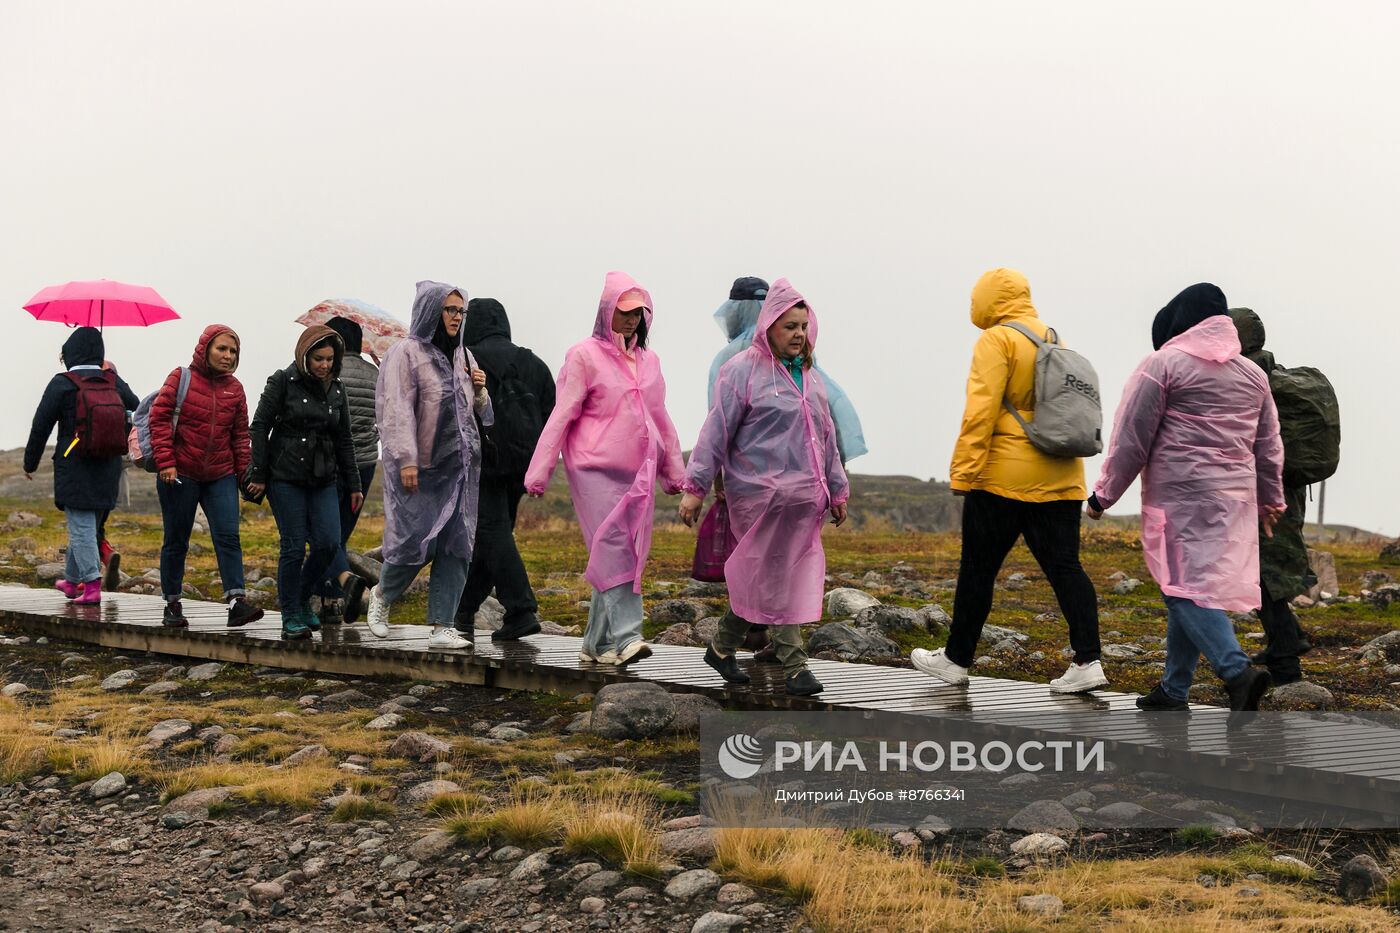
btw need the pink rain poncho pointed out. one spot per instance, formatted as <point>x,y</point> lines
<point>1198,422</point>
<point>423,405</point>
<point>776,444</point>
<point>610,421</point>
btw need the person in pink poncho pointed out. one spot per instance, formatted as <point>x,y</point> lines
<point>1198,422</point>
<point>770,431</point>
<point>610,422</point>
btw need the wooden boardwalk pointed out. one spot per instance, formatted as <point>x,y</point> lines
<point>1299,758</point>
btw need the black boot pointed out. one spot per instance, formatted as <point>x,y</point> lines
<point>330,612</point>
<point>241,612</point>
<point>803,684</point>
<point>354,596</point>
<point>517,628</point>
<point>1158,701</point>
<point>1247,690</point>
<point>728,667</point>
<point>174,615</point>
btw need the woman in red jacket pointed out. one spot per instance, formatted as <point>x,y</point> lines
<point>202,454</point>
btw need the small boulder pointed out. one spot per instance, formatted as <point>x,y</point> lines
<point>302,755</point>
<point>419,746</point>
<point>1047,906</point>
<point>432,846</point>
<point>195,805</point>
<point>1119,814</point>
<point>631,711</point>
<point>1039,845</point>
<point>718,922</point>
<point>851,643</point>
<point>109,785</point>
<point>891,619</point>
<point>681,634</point>
<point>120,680</point>
<point>846,602</point>
<point>599,882</point>
<point>167,730</point>
<point>1360,878</point>
<point>205,671</point>
<point>671,611</point>
<point>14,689</point>
<point>936,620</point>
<point>689,885</point>
<point>161,688</point>
<point>696,843</point>
<point>419,794</point>
<point>690,709</point>
<point>1301,695</point>
<point>1126,587</point>
<point>265,892</point>
<point>345,699</point>
<point>387,721</point>
<point>1043,816</point>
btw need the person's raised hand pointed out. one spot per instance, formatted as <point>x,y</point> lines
<point>409,477</point>
<point>690,508</point>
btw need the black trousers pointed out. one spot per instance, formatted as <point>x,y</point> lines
<point>1285,639</point>
<point>990,526</point>
<point>496,562</point>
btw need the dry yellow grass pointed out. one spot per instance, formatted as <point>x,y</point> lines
<point>23,751</point>
<point>302,787</point>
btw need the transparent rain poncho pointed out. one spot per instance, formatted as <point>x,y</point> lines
<point>1198,422</point>
<point>738,319</point>
<point>611,424</point>
<point>776,444</point>
<point>423,407</point>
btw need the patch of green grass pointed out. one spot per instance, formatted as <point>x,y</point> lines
<point>1255,858</point>
<point>864,838</point>
<point>354,807</point>
<point>984,866</point>
<point>1196,835</point>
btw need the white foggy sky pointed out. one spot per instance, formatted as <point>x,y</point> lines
<point>251,160</point>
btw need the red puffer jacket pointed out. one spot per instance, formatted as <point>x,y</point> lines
<point>211,440</point>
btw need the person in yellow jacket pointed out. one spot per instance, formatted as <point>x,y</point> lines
<point>1011,489</point>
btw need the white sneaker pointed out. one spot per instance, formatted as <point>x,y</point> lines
<point>378,615</point>
<point>936,664</point>
<point>1080,678</point>
<point>607,657</point>
<point>634,651</point>
<point>446,638</point>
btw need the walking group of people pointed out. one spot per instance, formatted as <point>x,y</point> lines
<point>466,422</point>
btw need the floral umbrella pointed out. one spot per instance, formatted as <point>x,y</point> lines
<point>381,329</point>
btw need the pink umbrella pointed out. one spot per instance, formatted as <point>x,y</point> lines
<point>99,303</point>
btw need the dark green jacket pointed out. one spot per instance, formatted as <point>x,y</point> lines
<point>1283,559</point>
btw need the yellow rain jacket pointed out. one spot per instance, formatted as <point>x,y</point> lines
<point>993,453</point>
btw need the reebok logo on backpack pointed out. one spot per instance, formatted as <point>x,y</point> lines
<point>100,416</point>
<point>1068,411</point>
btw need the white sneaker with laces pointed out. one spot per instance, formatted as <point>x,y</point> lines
<point>1080,678</point>
<point>378,615</point>
<point>936,664</point>
<point>607,657</point>
<point>634,651</point>
<point>446,638</point>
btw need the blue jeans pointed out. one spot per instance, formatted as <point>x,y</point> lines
<point>614,619</point>
<point>307,516</point>
<point>444,586</point>
<point>1192,631</point>
<point>178,502</point>
<point>329,587</point>
<point>80,562</point>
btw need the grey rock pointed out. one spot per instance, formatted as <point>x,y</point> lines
<point>733,894</point>
<point>1080,798</point>
<point>718,922</point>
<point>1039,845</point>
<point>891,619</point>
<point>998,633</point>
<point>935,618</point>
<point>671,611</point>
<point>690,709</point>
<point>508,733</point>
<point>1043,816</point>
<point>387,721</point>
<point>302,755</point>
<point>631,711</point>
<point>120,680</point>
<point>846,602</point>
<point>592,905</point>
<point>691,884</point>
<point>109,785</point>
<point>507,854</point>
<point>432,846</point>
<point>161,688</point>
<point>419,794</point>
<point>345,699</point>
<point>14,689</point>
<point>205,671</point>
<point>48,574</point>
<point>1126,586</point>
<point>851,643</point>
<point>1017,581</point>
<point>167,730</point>
<point>1041,905</point>
<point>1119,814</point>
<point>695,843</point>
<point>579,872</point>
<point>599,882</point>
<point>473,889</point>
<point>1360,879</point>
<point>1301,695</point>
<point>681,634</point>
<point>196,803</point>
<point>266,892</point>
<point>530,867</point>
<point>314,867</point>
<point>419,746</point>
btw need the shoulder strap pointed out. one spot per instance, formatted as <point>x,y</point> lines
<point>1050,334</point>
<point>180,392</point>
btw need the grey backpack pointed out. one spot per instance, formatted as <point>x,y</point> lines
<point>1068,412</point>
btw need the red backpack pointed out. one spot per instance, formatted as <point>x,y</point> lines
<point>100,421</point>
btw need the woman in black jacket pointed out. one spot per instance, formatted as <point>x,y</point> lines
<point>301,447</point>
<point>91,407</point>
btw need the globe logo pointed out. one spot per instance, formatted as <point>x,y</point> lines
<point>741,756</point>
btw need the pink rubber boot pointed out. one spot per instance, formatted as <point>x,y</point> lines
<point>69,590</point>
<point>91,595</point>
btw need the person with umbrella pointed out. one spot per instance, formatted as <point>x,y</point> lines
<point>92,407</point>
<point>431,396</point>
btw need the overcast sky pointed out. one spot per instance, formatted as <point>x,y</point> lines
<point>250,160</point>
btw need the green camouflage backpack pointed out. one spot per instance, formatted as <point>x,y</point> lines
<point>1310,423</point>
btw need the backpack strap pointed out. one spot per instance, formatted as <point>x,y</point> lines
<point>180,392</point>
<point>1022,329</point>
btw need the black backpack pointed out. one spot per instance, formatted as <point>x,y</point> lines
<point>1310,423</point>
<point>519,420</point>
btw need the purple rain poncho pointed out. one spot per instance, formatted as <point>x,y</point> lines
<point>423,406</point>
<point>611,424</point>
<point>782,471</point>
<point>1198,422</point>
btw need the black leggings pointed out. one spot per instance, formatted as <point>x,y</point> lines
<point>990,526</point>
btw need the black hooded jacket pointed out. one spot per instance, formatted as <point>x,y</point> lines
<point>1189,308</point>
<point>78,482</point>
<point>486,333</point>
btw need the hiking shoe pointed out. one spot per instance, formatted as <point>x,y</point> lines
<point>1080,678</point>
<point>936,664</point>
<point>1247,690</point>
<point>241,612</point>
<point>354,597</point>
<point>1157,701</point>
<point>112,572</point>
<point>588,657</point>
<point>521,627</point>
<point>378,614</point>
<point>635,651</point>
<point>69,590</point>
<point>91,594</point>
<point>330,612</point>
<point>446,638</point>
<point>294,627</point>
<point>803,684</point>
<point>309,619</point>
<point>174,615</point>
<point>728,667</point>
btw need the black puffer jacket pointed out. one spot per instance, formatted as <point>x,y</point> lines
<point>301,433</point>
<point>78,482</point>
<point>487,334</point>
<point>359,376</point>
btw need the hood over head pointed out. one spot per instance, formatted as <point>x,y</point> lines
<point>486,317</point>
<point>316,336</point>
<point>740,312</point>
<point>84,347</point>
<point>615,286</point>
<point>200,360</point>
<point>1251,330</point>
<point>427,308</point>
<point>351,333</point>
<point>999,296</point>
<point>1214,339</point>
<point>781,297</point>
<point>1190,307</point>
